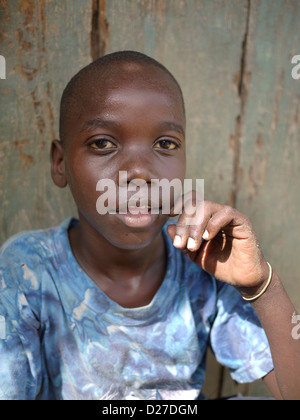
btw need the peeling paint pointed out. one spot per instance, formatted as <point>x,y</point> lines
<point>27,7</point>
<point>5,7</point>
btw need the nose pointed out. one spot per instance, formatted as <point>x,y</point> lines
<point>135,168</point>
<point>135,171</point>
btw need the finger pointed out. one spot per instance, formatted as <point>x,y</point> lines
<point>191,225</point>
<point>181,233</point>
<point>198,230</point>
<point>171,229</point>
<point>196,225</point>
<point>179,204</point>
<point>182,206</point>
<point>226,219</point>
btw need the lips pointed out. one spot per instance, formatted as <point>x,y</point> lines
<point>138,216</point>
<point>128,208</point>
<point>139,210</point>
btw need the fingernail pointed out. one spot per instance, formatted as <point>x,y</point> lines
<point>205,235</point>
<point>177,241</point>
<point>191,243</point>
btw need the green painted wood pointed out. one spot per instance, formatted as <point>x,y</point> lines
<point>43,47</point>
<point>270,153</point>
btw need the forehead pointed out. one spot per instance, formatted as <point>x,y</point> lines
<point>130,89</point>
<point>136,79</point>
<point>130,74</point>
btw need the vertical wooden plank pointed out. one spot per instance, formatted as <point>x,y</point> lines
<point>43,47</point>
<point>200,42</point>
<point>270,150</point>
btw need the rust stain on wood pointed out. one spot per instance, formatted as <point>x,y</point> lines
<point>4,18</point>
<point>26,160</point>
<point>27,7</point>
<point>99,30</point>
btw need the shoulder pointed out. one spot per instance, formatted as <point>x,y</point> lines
<point>25,253</point>
<point>28,261</point>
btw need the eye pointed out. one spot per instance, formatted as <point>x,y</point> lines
<point>102,144</point>
<point>166,145</point>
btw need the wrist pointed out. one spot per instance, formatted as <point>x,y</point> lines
<point>252,293</point>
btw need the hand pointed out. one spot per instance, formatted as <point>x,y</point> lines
<point>222,242</point>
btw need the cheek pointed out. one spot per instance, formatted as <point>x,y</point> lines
<point>174,170</point>
<point>82,177</point>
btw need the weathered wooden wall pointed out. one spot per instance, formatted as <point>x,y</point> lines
<point>233,60</point>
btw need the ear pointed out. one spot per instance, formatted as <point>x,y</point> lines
<point>58,172</point>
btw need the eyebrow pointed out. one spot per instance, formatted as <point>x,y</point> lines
<point>172,126</point>
<point>99,122</point>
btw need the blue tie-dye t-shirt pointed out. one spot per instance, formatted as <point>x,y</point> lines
<point>61,337</point>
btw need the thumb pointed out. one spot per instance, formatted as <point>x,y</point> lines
<point>171,229</point>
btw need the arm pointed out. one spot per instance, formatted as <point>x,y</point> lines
<point>231,253</point>
<point>275,311</point>
<point>20,360</point>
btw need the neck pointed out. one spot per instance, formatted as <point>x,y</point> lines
<point>98,257</point>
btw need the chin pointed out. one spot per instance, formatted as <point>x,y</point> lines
<point>132,237</point>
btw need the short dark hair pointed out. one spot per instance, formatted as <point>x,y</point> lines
<point>105,63</point>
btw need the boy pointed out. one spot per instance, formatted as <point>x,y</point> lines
<point>123,306</point>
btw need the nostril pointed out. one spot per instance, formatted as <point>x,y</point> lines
<point>123,179</point>
<point>133,179</point>
<point>137,182</point>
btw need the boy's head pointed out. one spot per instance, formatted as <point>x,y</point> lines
<point>108,67</point>
<point>123,112</point>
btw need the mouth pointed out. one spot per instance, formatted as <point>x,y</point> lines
<point>145,209</point>
<point>145,206</point>
<point>141,216</point>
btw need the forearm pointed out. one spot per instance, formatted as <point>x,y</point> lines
<point>275,311</point>
<point>225,245</point>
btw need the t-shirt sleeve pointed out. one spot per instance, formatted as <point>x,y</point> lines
<point>20,361</point>
<point>238,339</point>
